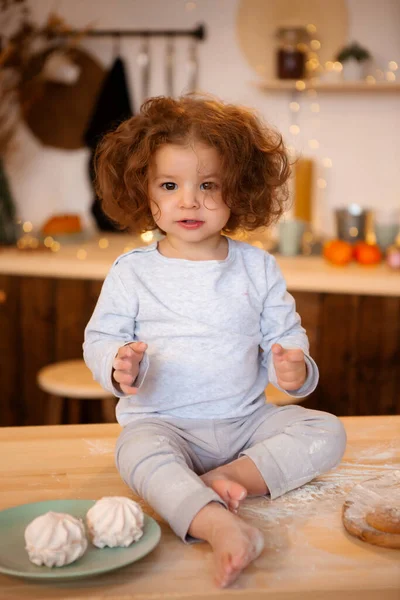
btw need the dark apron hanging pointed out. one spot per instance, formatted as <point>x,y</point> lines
<point>112,107</point>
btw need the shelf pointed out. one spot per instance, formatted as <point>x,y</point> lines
<point>278,85</point>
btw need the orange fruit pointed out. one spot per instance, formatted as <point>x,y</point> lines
<point>367,254</point>
<point>338,252</point>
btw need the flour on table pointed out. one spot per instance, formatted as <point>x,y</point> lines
<point>99,447</point>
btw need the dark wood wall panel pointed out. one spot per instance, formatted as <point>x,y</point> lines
<point>355,341</point>
<point>378,349</point>
<point>11,402</point>
<point>71,317</point>
<point>37,318</point>
<point>337,354</point>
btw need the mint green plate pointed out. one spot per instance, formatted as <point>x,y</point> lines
<point>14,558</point>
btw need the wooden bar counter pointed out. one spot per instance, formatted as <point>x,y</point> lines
<point>307,554</point>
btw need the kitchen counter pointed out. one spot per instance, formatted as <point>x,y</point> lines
<point>308,554</point>
<point>86,260</point>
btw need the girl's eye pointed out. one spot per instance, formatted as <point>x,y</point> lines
<point>169,186</point>
<point>208,185</point>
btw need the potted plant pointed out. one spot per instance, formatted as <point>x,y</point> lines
<point>354,59</point>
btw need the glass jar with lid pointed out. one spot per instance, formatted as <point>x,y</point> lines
<point>291,52</point>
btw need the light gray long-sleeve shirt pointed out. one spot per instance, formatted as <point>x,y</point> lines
<point>205,323</point>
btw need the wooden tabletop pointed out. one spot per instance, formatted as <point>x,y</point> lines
<point>308,554</point>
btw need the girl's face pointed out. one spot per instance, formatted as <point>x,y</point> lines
<point>185,192</point>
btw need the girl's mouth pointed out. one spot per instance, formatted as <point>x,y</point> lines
<point>190,223</point>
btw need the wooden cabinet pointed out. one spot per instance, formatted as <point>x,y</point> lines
<point>355,341</point>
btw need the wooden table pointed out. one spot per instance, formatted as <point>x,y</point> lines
<point>308,554</point>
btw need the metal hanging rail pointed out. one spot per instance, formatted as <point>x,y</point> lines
<point>199,33</point>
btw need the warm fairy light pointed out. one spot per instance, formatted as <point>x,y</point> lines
<point>291,149</point>
<point>103,243</point>
<point>353,231</point>
<point>327,162</point>
<point>294,129</point>
<point>312,64</point>
<point>190,6</point>
<point>315,44</point>
<point>294,106</point>
<point>393,66</point>
<point>337,66</point>
<point>370,79</point>
<point>314,107</point>
<point>127,249</point>
<point>81,254</point>
<point>55,246</point>
<point>27,226</point>
<point>312,93</point>
<point>302,47</point>
<point>321,183</point>
<point>313,143</point>
<point>300,85</point>
<point>48,241</point>
<point>311,28</point>
<point>390,76</point>
<point>329,65</point>
<point>147,236</point>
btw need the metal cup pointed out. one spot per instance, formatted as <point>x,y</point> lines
<point>351,223</point>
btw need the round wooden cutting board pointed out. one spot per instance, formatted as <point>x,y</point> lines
<point>371,511</point>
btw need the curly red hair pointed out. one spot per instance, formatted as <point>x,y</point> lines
<point>255,166</point>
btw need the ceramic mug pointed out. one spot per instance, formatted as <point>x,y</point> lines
<point>290,237</point>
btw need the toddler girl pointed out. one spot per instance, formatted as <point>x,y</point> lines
<point>188,331</point>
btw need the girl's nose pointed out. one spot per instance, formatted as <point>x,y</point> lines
<point>188,199</point>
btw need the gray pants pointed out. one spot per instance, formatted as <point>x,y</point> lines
<point>161,458</point>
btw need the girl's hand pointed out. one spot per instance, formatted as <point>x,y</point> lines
<point>290,367</point>
<point>126,366</point>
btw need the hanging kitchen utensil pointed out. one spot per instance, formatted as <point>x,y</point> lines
<point>192,65</point>
<point>144,62</point>
<point>169,65</point>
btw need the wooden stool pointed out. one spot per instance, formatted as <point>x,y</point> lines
<point>72,380</point>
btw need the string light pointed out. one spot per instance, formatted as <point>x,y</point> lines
<point>127,249</point>
<point>294,129</point>
<point>48,241</point>
<point>370,79</point>
<point>314,107</point>
<point>27,227</point>
<point>315,44</point>
<point>337,66</point>
<point>55,247</point>
<point>329,65</point>
<point>147,236</point>
<point>390,76</point>
<point>300,85</point>
<point>294,106</point>
<point>313,143</point>
<point>190,6</point>
<point>327,162</point>
<point>393,66</point>
<point>103,243</point>
<point>311,28</point>
<point>321,183</point>
<point>81,254</point>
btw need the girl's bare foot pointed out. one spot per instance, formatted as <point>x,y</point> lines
<point>235,543</point>
<point>230,491</point>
